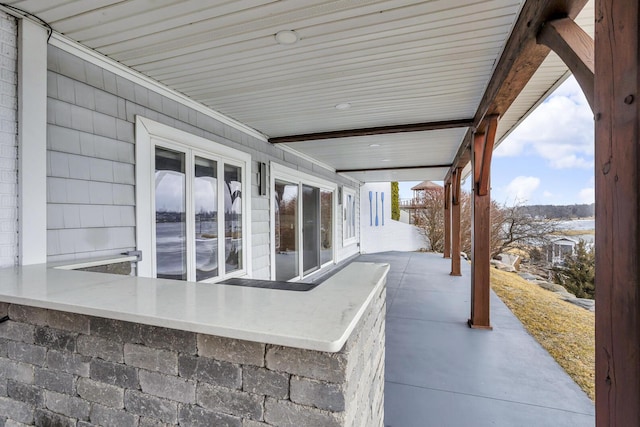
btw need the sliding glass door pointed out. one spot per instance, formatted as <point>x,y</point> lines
<point>303,228</point>
<point>311,228</point>
<point>286,230</point>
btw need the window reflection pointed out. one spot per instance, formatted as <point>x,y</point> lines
<point>171,242</point>
<point>326,226</point>
<point>233,218</point>
<point>206,218</point>
<point>286,230</point>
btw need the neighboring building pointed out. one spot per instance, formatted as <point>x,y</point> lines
<point>418,202</point>
<point>560,248</point>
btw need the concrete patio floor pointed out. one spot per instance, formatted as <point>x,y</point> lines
<point>441,373</point>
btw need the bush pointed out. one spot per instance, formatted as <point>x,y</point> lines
<point>578,273</point>
<point>395,201</point>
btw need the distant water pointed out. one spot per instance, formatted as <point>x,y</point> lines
<point>578,224</point>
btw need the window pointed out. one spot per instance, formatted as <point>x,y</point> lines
<point>349,216</point>
<point>191,191</point>
<point>303,232</point>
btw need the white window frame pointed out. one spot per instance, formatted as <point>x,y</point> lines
<point>283,173</point>
<point>150,134</point>
<point>349,240</point>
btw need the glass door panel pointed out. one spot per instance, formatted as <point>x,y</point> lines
<point>326,226</point>
<point>171,235</point>
<point>233,218</point>
<point>310,228</point>
<point>286,230</point>
<point>205,189</point>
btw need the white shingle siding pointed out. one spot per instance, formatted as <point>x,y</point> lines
<point>8,141</point>
<point>91,160</point>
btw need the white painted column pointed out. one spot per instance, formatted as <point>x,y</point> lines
<point>32,142</point>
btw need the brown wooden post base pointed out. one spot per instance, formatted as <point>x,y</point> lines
<point>480,263</point>
<point>472,326</point>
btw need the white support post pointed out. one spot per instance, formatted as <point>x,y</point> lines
<point>32,142</point>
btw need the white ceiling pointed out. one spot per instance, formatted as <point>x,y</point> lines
<point>395,61</point>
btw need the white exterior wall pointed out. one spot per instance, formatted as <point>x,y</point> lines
<point>91,161</point>
<point>393,235</point>
<point>8,141</point>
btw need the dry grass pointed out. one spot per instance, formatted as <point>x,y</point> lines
<point>564,330</point>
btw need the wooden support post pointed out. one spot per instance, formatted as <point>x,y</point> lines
<point>481,226</point>
<point>574,47</point>
<point>447,220</point>
<point>617,174</point>
<point>455,222</point>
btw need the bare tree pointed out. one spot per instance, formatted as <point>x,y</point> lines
<point>514,228</point>
<point>511,226</point>
<point>430,217</point>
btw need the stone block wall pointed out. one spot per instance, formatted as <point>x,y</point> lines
<point>63,369</point>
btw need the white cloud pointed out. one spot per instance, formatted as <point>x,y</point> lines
<point>547,195</point>
<point>560,130</point>
<point>520,189</point>
<point>587,195</point>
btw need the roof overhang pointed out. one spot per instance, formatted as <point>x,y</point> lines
<point>379,90</point>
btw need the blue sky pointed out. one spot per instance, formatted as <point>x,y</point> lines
<point>548,159</point>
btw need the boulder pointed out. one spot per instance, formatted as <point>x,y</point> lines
<point>587,304</point>
<point>565,295</point>
<point>503,267</point>
<point>529,276</point>
<point>553,287</point>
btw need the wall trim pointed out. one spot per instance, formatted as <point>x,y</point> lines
<point>32,143</point>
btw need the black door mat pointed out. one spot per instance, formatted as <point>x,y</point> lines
<point>270,284</point>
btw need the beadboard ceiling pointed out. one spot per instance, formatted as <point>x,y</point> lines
<point>394,61</point>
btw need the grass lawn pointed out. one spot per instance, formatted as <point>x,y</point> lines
<point>566,331</point>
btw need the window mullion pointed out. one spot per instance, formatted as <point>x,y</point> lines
<point>190,220</point>
<point>221,220</point>
<point>300,232</point>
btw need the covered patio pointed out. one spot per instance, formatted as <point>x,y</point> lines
<point>331,95</point>
<point>440,372</point>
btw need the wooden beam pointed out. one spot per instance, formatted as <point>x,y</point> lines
<point>520,59</point>
<point>447,220</point>
<point>481,227</point>
<point>575,48</point>
<point>455,222</point>
<point>617,174</point>
<point>394,168</point>
<point>483,150</point>
<point>380,130</point>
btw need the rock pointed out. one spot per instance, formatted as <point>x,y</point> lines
<point>529,276</point>
<point>464,255</point>
<point>502,267</point>
<point>587,304</point>
<point>553,287</point>
<point>566,295</point>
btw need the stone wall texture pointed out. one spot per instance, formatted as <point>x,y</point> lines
<point>63,369</point>
<point>8,141</point>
